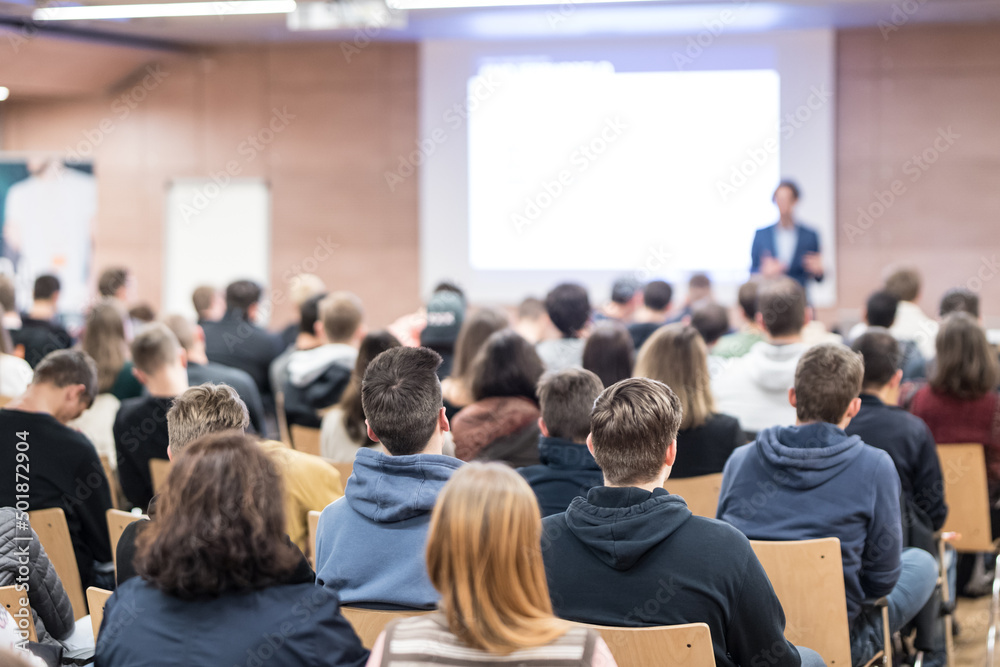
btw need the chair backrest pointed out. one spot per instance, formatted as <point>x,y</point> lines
<point>4,400</point>
<point>117,521</point>
<point>53,532</point>
<point>97,598</point>
<point>16,602</point>
<point>688,645</point>
<point>159,471</point>
<point>808,577</point>
<point>313,521</point>
<point>963,467</point>
<point>305,439</point>
<point>369,623</point>
<point>112,476</point>
<point>700,493</point>
<point>345,470</point>
<point>281,417</point>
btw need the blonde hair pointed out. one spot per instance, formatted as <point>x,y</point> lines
<point>676,355</point>
<point>104,340</point>
<point>205,410</point>
<point>484,557</point>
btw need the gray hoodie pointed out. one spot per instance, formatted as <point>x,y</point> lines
<point>754,388</point>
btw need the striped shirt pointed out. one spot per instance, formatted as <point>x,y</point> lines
<point>426,640</point>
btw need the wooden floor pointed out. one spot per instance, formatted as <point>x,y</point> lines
<point>973,618</point>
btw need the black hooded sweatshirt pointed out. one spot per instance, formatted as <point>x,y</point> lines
<point>628,557</point>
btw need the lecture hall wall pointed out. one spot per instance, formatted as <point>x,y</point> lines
<point>923,89</point>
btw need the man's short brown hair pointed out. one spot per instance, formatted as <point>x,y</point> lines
<point>111,280</point>
<point>154,347</point>
<point>341,314</point>
<point>202,299</point>
<point>904,284</point>
<point>182,328</point>
<point>401,397</point>
<point>633,424</point>
<point>782,305</point>
<point>204,410</point>
<point>828,377</point>
<point>566,398</point>
<point>63,368</point>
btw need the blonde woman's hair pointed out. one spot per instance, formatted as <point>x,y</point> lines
<point>677,356</point>
<point>484,557</point>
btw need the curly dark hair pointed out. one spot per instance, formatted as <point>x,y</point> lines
<point>220,523</point>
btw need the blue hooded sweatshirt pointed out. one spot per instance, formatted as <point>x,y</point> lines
<point>814,481</point>
<point>370,543</point>
<point>567,470</point>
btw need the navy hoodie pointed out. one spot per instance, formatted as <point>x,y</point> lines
<point>370,543</point>
<point>567,470</point>
<point>628,557</point>
<point>814,481</point>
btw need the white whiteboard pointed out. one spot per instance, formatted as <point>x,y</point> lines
<point>214,235</point>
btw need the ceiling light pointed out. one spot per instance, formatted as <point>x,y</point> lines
<point>172,9</point>
<point>4,93</point>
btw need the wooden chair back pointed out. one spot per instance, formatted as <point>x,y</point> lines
<point>4,400</point>
<point>369,623</point>
<point>97,598</point>
<point>808,577</point>
<point>700,493</point>
<point>963,468</point>
<point>53,532</point>
<point>16,602</point>
<point>313,521</point>
<point>305,439</point>
<point>281,417</point>
<point>688,645</point>
<point>159,471</point>
<point>109,472</point>
<point>117,522</point>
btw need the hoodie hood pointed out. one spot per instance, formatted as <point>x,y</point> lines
<point>304,366</point>
<point>772,367</point>
<point>389,489</point>
<point>809,455</point>
<point>563,454</point>
<point>621,524</point>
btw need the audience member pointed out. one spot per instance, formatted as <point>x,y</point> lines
<point>236,341</point>
<point>141,425</point>
<point>445,312</point>
<point>630,541</point>
<point>821,482</point>
<point>317,377</point>
<point>219,579</point>
<point>65,470</point>
<point>676,356</point>
<point>626,296</point>
<point>568,306</point>
<point>40,331</point>
<point>370,544</point>
<point>480,325</point>
<point>483,558</point>
<point>567,467</point>
<point>959,299</point>
<point>656,298</point>
<point>502,422</point>
<point>24,564</point>
<point>609,352</point>
<point>104,340</point>
<point>309,483</point>
<point>911,323</point>
<point>304,286</point>
<point>880,311</point>
<point>711,321</point>
<point>115,283</point>
<point>209,305</point>
<point>200,370</point>
<point>142,314</point>
<point>533,323</point>
<point>344,431</point>
<point>750,333</point>
<point>310,336</point>
<point>754,388</point>
<point>699,293</point>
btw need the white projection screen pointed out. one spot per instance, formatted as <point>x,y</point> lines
<point>543,162</point>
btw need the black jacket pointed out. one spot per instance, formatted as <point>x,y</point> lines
<point>911,446</point>
<point>704,450</point>
<point>628,557</point>
<point>232,341</point>
<point>39,337</point>
<point>286,625</point>
<point>140,431</point>
<point>238,380</point>
<point>302,404</point>
<point>567,470</point>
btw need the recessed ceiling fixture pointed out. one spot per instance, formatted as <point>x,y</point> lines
<point>160,10</point>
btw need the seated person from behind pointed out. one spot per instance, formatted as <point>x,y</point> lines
<point>318,377</point>
<point>40,331</point>
<point>370,544</point>
<point>65,470</point>
<point>750,333</point>
<point>568,306</point>
<point>141,425</point>
<point>309,483</point>
<point>632,554</point>
<point>880,311</point>
<point>568,468</point>
<point>822,482</point>
<point>656,298</point>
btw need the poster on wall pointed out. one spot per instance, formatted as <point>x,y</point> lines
<point>47,211</point>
